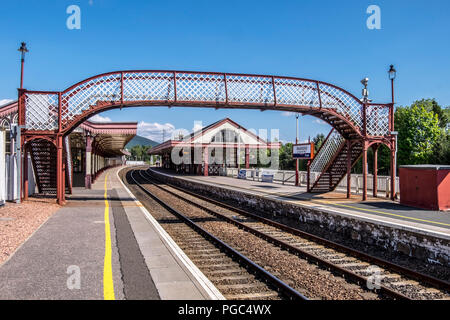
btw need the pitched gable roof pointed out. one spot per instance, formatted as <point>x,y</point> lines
<point>216,124</point>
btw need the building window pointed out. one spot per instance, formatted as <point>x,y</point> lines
<point>77,160</point>
<point>4,125</point>
<point>227,136</point>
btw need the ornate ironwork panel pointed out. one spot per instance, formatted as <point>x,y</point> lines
<point>84,96</point>
<point>200,87</point>
<point>343,103</point>
<point>250,89</point>
<point>41,111</point>
<point>378,120</point>
<point>297,92</point>
<point>148,86</point>
<point>334,142</point>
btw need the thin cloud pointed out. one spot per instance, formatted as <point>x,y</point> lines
<point>5,101</point>
<point>318,121</point>
<point>155,131</point>
<point>99,118</point>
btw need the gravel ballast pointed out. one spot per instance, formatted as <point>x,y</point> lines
<point>19,221</point>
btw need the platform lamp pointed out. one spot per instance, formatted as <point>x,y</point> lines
<point>23,49</point>
<point>392,75</point>
<point>18,150</point>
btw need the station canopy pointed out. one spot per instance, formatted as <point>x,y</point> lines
<point>110,138</point>
<point>224,133</point>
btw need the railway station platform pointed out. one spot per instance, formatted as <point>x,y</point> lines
<point>102,245</point>
<point>375,209</point>
<point>412,231</point>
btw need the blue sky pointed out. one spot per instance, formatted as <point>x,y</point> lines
<point>323,40</point>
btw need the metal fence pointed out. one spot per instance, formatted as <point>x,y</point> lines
<point>288,178</point>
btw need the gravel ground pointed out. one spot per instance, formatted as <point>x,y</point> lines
<point>19,221</point>
<point>306,278</point>
<point>415,291</point>
<point>233,286</point>
<point>438,271</point>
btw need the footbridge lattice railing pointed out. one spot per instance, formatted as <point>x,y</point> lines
<point>330,146</point>
<point>47,111</point>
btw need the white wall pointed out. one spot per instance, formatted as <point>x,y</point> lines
<point>2,168</point>
<point>10,178</point>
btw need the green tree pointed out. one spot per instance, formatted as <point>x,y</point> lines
<point>418,132</point>
<point>433,106</point>
<point>441,150</point>
<point>140,153</point>
<point>318,141</point>
<point>286,161</point>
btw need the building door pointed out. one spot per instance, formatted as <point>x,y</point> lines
<point>79,170</point>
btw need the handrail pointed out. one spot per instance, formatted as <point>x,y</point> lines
<point>208,89</point>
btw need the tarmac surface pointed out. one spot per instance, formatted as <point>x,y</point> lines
<point>70,243</point>
<point>101,245</point>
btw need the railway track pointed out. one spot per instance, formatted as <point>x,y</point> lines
<point>335,259</point>
<point>394,281</point>
<point>235,275</point>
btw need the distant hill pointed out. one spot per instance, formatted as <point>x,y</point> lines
<point>138,140</point>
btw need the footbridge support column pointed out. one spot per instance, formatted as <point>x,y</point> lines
<point>349,169</point>
<point>365,148</point>
<point>375,170</point>
<point>88,176</point>
<point>59,170</point>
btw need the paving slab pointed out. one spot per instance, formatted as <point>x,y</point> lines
<point>72,245</point>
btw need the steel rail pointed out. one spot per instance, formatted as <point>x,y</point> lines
<point>433,281</point>
<point>290,248</point>
<point>283,288</point>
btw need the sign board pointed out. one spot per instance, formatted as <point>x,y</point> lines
<point>267,177</point>
<point>303,151</point>
<point>242,174</point>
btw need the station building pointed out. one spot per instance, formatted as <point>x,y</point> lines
<point>222,144</point>
<point>88,150</point>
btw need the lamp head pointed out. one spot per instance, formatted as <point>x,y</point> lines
<point>392,72</point>
<point>23,47</point>
<point>365,82</point>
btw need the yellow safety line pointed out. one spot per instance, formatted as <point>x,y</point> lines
<point>108,284</point>
<point>382,212</point>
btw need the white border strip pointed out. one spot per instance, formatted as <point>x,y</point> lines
<point>203,281</point>
<point>410,226</point>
